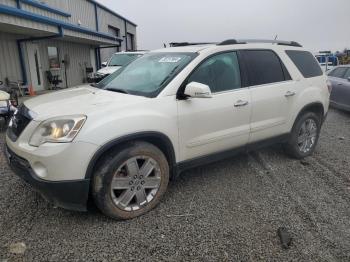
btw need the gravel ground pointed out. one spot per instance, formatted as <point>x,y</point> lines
<point>232,210</point>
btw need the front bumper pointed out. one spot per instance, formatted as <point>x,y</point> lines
<point>72,195</point>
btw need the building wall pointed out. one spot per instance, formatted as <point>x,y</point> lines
<point>39,11</point>
<point>11,20</point>
<point>80,58</point>
<point>9,2</point>
<point>82,13</point>
<point>105,20</point>
<point>9,58</point>
<point>80,46</point>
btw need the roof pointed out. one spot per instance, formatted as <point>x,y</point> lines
<point>198,48</point>
<point>111,11</point>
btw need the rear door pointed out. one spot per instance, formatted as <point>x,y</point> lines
<point>220,123</point>
<point>272,93</point>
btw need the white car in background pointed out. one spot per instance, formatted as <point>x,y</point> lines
<point>117,61</point>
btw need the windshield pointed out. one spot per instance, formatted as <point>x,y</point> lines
<point>148,75</point>
<point>122,59</point>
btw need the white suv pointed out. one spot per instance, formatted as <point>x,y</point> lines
<point>167,111</point>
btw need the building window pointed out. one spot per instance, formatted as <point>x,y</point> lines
<point>54,61</point>
<point>116,32</point>
<point>131,42</point>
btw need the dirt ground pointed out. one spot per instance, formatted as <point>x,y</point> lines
<point>230,211</point>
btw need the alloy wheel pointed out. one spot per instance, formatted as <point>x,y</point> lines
<point>135,183</point>
<point>307,135</point>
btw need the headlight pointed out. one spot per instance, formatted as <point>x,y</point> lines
<point>57,130</point>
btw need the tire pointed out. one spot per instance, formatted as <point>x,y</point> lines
<point>294,147</point>
<point>144,185</point>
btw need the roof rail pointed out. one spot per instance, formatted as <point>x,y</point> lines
<point>246,41</point>
<point>177,44</point>
<point>229,42</point>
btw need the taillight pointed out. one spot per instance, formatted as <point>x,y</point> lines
<point>329,85</point>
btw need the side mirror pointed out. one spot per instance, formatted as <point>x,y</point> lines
<point>197,90</point>
<point>104,64</point>
<point>349,78</point>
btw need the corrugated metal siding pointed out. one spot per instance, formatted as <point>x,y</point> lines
<point>84,11</point>
<point>59,4</point>
<point>8,2</point>
<point>105,19</point>
<point>40,11</point>
<point>12,20</point>
<point>9,58</point>
<point>87,37</point>
<point>81,11</point>
<point>107,53</point>
<point>80,54</point>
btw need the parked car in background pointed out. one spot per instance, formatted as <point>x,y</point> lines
<point>172,109</point>
<point>117,61</point>
<point>339,79</point>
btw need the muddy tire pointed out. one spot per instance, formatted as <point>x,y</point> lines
<point>130,182</point>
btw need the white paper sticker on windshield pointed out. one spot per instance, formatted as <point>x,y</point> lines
<point>170,59</point>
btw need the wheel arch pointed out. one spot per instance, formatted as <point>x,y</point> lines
<point>315,107</point>
<point>157,139</point>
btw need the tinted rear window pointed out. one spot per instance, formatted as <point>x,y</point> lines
<point>264,67</point>
<point>305,62</point>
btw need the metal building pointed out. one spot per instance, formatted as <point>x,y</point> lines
<point>64,37</point>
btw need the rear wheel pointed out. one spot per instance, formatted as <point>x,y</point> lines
<point>304,136</point>
<point>131,182</point>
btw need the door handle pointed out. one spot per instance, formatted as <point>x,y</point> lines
<point>340,84</point>
<point>289,94</point>
<point>241,103</point>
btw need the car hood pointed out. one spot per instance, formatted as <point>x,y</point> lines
<point>84,100</point>
<point>108,70</point>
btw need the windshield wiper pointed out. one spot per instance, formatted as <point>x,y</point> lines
<point>118,90</point>
<point>94,85</point>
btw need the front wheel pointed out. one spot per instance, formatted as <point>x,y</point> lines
<point>304,136</point>
<point>131,182</point>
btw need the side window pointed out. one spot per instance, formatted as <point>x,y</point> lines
<point>220,72</point>
<point>264,67</point>
<point>305,62</point>
<point>338,72</point>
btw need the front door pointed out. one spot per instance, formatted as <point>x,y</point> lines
<point>35,68</point>
<point>220,123</point>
